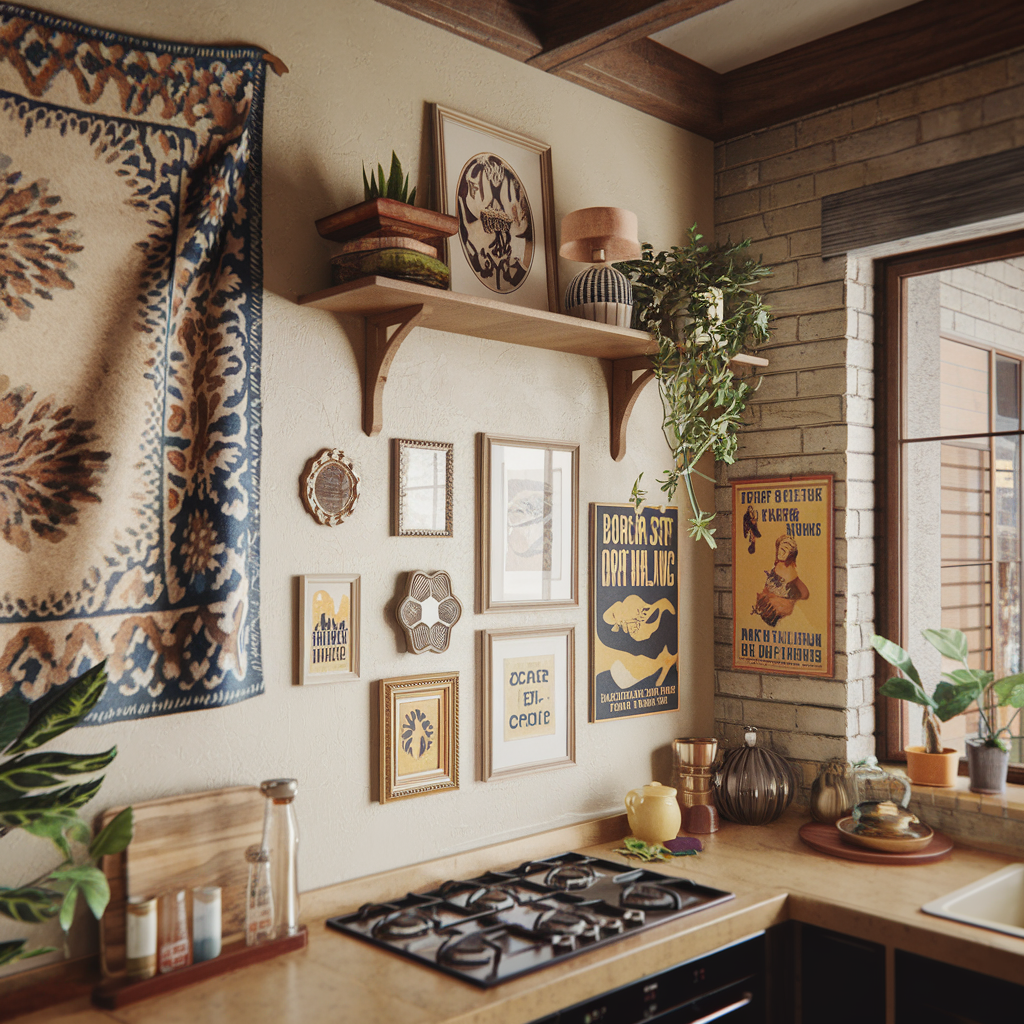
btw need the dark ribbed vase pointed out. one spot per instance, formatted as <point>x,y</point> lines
<point>755,784</point>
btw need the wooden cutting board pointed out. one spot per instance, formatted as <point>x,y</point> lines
<point>181,842</point>
<point>826,839</point>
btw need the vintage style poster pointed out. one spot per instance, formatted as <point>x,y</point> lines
<point>330,628</point>
<point>634,611</point>
<point>782,582</point>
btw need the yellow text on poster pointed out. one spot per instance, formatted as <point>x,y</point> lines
<point>329,643</point>
<point>529,697</point>
<point>782,575</point>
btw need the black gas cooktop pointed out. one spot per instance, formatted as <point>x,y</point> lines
<point>503,924</point>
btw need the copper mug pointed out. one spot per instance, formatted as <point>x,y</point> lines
<point>695,751</point>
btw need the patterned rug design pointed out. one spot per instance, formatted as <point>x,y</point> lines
<point>130,326</point>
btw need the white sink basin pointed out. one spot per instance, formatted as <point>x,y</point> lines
<point>995,901</point>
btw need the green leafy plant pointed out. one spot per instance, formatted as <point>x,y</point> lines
<point>29,801</point>
<point>697,302</point>
<point>393,187</point>
<point>956,692</point>
<point>633,847</point>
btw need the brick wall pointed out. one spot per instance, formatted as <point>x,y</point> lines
<point>814,411</point>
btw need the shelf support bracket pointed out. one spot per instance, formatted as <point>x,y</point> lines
<point>626,388</point>
<point>385,333</point>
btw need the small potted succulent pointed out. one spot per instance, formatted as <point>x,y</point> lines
<point>987,755</point>
<point>387,235</point>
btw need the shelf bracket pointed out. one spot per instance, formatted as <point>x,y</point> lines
<point>385,333</point>
<point>626,388</point>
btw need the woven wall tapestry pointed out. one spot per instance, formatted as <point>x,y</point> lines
<point>130,320</point>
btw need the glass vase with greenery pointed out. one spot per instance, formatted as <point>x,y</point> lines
<point>699,304</point>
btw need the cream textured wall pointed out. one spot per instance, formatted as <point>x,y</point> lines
<point>361,75</point>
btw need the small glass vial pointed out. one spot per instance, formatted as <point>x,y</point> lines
<point>259,902</point>
<point>281,841</point>
<point>175,950</point>
<point>140,938</point>
<point>206,923</point>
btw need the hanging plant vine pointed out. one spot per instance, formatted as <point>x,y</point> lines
<point>698,303</point>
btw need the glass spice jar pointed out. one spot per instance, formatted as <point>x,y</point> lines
<point>175,949</point>
<point>259,898</point>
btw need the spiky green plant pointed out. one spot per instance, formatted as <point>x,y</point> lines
<point>29,801</point>
<point>393,187</point>
<point>698,303</point>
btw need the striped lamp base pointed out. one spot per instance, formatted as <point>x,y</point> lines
<point>600,293</point>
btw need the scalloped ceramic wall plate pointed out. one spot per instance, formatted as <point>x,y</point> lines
<point>330,487</point>
<point>428,611</point>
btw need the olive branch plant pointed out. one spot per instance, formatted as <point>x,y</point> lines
<point>28,801</point>
<point>699,304</point>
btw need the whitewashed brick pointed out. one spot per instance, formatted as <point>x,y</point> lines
<point>824,721</point>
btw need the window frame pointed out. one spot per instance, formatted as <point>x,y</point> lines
<point>891,275</point>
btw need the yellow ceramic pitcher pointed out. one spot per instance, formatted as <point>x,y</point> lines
<point>653,813</point>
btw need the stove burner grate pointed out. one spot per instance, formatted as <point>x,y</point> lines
<point>560,922</point>
<point>571,876</point>
<point>403,924</point>
<point>470,951</point>
<point>645,896</point>
<point>492,899</point>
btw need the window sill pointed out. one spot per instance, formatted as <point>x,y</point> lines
<point>959,797</point>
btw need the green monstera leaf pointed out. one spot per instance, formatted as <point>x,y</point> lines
<point>61,709</point>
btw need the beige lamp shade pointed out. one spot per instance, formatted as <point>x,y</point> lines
<point>600,234</point>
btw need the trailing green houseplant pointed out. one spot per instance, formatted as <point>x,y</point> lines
<point>699,304</point>
<point>29,801</point>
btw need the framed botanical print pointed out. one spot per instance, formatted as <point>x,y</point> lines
<point>497,183</point>
<point>421,488</point>
<point>528,720</point>
<point>419,736</point>
<point>528,501</point>
<point>329,640</point>
<point>783,590</point>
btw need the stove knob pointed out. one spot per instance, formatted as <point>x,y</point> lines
<point>613,926</point>
<point>562,943</point>
<point>634,917</point>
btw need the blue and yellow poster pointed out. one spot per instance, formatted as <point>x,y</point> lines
<point>634,611</point>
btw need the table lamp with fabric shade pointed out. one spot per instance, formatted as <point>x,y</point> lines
<point>600,235</point>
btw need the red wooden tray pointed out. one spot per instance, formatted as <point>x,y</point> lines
<point>827,839</point>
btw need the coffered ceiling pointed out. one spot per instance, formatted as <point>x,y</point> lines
<point>721,68</point>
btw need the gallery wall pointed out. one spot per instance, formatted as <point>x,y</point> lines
<point>361,76</point>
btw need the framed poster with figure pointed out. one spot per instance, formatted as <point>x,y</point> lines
<point>527,503</point>
<point>329,644</point>
<point>634,611</point>
<point>419,735</point>
<point>783,592</point>
<point>527,716</point>
<point>497,184</point>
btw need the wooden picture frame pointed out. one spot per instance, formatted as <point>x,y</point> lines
<point>421,488</point>
<point>784,616</point>
<point>528,706</point>
<point>419,735</point>
<point>527,527</point>
<point>328,629</point>
<point>330,487</point>
<point>498,185</point>
<point>634,611</point>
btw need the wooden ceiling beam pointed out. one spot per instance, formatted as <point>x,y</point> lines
<point>575,30</point>
<point>897,48</point>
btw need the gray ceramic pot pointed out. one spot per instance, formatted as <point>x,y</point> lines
<point>986,767</point>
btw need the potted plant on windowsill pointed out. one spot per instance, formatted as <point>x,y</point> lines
<point>699,305</point>
<point>933,764</point>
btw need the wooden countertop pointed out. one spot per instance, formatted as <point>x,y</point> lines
<point>774,877</point>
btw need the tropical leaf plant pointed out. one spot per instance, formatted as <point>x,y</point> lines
<point>34,797</point>
<point>395,186</point>
<point>956,691</point>
<point>699,305</point>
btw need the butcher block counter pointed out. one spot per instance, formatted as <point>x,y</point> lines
<point>774,876</point>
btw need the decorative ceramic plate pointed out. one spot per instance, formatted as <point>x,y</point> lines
<point>918,836</point>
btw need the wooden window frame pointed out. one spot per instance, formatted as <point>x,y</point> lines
<point>891,275</point>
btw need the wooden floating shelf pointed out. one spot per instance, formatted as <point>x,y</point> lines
<point>392,308</point>
<point>116,992</point>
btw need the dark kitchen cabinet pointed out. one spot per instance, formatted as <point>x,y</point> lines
<point>927,990</point>
<point>841,980</point>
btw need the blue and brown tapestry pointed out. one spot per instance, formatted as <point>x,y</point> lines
<point>130,321</point>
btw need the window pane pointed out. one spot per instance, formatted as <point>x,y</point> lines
<point>964,390</point>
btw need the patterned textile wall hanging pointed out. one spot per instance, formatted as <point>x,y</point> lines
<point>130,321</point>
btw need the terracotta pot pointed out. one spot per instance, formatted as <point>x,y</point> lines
<point>933,769</point>
<point>986,767</point>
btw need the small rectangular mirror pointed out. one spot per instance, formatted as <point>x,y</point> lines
<point>422,488</point>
